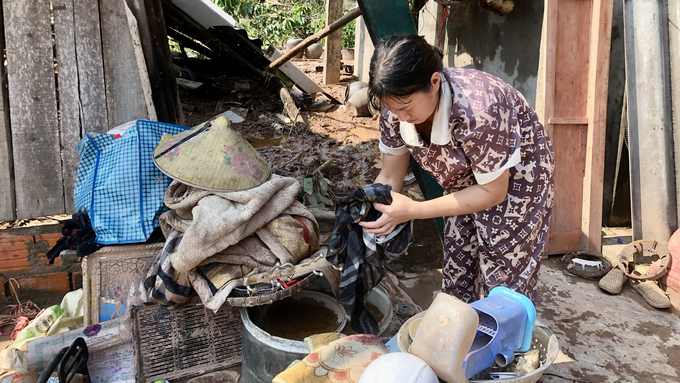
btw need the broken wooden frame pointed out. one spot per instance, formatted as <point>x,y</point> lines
<point>184,29</point>
<point>113,276</point>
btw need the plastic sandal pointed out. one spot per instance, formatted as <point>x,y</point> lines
<point>652,293</point>
<point>613,281</point>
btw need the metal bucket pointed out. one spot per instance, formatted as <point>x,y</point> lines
<point>543,340</point>
<point>265,355</point>
<point>379,298</point>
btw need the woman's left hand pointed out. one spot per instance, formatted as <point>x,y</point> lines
<point>401,210</point>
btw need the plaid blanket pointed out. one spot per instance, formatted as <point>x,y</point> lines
<point>362,253</point>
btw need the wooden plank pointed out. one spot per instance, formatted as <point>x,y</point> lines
<point>127,89</point>
<point>44,284</point>
<point>144,80</point>
<point>546,92</point>
<point>331,55</point>
<point>82,96</point>
<point>569,143</point>
<point>568,121</point>
<point>7,199</point>
<point>564,242</point>
<point>573,41</point>
<point>35,131</point>
<point>70,130</point>
<point>294,73</point>
<point>598,81</point>
<point>92,91</point>
<point>188,84</point>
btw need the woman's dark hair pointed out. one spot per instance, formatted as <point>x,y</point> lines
<point>401,66</point>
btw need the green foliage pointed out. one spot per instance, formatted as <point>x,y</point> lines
<point>348,33</point>
<point>276,21</point>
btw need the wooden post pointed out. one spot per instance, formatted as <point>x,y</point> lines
<point>7,198</point>
<point>598,81</point>
<point>332,53</point>
<point>33,113</point>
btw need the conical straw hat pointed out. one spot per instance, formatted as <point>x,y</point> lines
<point>214,157</point>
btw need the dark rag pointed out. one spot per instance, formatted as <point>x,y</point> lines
<point>362,253</point>
<point>77,235</point>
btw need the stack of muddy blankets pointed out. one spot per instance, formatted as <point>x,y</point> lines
<point>229,217</point>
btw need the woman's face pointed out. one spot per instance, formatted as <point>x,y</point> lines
<point>418,107</point>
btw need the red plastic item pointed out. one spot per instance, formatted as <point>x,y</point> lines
<point>289,284</point>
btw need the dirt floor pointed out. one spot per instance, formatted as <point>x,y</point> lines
<point>328,132</point>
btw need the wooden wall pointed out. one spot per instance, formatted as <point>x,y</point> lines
<point>92,76</point>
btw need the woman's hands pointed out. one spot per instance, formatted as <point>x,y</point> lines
<point>401,210</point>
<point>469,200</point>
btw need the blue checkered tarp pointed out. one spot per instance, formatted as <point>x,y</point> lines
<point>119,186</point>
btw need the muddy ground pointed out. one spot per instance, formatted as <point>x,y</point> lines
<point>328,133</point>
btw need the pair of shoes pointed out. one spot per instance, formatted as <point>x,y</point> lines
<point>613,281</point>
<point>652,293</point>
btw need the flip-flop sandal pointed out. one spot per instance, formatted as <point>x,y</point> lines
<point>613,281</point>
<point>586,264</point>
<point>652,293</point>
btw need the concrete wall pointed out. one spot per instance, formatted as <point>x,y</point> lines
<point>363,50</point>
<point>505,46</point>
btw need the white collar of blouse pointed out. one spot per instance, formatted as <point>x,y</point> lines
<point>440,135</point>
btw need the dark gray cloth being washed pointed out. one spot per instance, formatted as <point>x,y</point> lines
<point>362,253</point>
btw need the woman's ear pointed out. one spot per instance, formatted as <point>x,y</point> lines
<point>436,80</point>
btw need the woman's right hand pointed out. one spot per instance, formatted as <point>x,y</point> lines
<point>401,210</point>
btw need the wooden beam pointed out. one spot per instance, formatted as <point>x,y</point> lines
<point>332,51</point>
<point>33,108</point>
<point>598,80</point>
<point>314,38</point>
<point>7,198</point>
<point>297,76</point>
